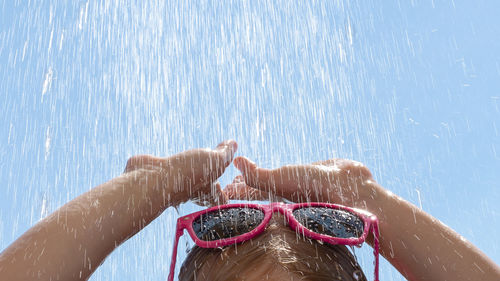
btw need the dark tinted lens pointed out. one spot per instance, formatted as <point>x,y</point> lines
<point>226,223</point>
<point>332,222</point>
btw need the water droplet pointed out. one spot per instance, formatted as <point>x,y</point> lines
<point>357,275</point>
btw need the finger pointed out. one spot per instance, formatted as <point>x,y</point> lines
<point>213,197</point>
<point>218,196</point>
<point>238,179</point>
<point>355,168</point>
<point>232,190</point>
<point>329,162</point>
<point>241,191</point>
<point>224,153</point>
<point>296,183</point>
<point>286,182</point>
<point>227,149</point>
<point>142,161</point>
<point>254,176</point>
<point>280,182</point>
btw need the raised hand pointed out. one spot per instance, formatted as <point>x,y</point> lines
<point>335,181</point>
<point>189,175</point>
<point>70,243</point>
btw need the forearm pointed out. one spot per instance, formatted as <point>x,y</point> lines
<point>73,241</point>
<point>420,246</point>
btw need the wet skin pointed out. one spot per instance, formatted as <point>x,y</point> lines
<point>72,242</point>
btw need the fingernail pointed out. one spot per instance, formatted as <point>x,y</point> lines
<point>238,163</point>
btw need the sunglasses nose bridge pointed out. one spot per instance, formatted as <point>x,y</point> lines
<point>280,208</point>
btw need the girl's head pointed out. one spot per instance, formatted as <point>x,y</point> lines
<point>277,254</point>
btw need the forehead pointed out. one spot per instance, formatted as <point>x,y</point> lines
<point>264,269</point>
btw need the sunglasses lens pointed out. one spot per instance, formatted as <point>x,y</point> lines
<point>226,223</point>
<point>328,221</point>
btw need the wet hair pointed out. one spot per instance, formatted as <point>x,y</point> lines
<point>278,248</point>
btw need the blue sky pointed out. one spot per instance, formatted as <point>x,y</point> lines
<point>409,88</point>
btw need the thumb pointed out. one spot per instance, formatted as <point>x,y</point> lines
<point>220,158</point>
<point>254,176</point>
<point>227,149</point>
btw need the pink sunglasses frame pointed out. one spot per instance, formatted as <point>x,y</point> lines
<point>370,225</point>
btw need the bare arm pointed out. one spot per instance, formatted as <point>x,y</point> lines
<point>415,243</point>
<point>73,241</point>
<point>420,246</point>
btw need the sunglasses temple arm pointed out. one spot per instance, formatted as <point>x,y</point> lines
<point>178,233</point>
<point>376,247</point>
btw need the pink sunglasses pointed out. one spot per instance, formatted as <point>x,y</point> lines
<point>234,223</point>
